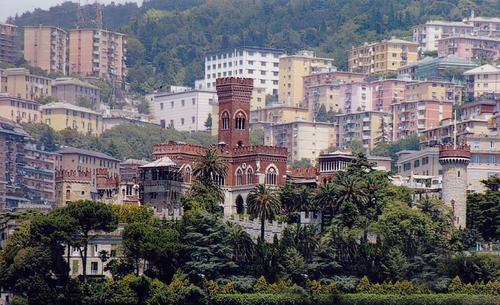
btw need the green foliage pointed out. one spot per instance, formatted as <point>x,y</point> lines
<point>414,299</point>
<point>263,203</point>
<point>133,213</point>
<point>483,210</point>
<point>258,299</point>
<point>257,137</point>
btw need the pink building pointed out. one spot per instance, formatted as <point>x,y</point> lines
<point>355,97</point>
<point>414,117</point>
<point>387,92</point>
<point>470,47</point>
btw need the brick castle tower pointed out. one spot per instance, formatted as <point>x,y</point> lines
<point>454,160</point>
<point>234,110</point>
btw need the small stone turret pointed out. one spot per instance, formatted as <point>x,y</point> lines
<point>454,160</point>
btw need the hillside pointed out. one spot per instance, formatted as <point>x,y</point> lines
<point>169,38</point>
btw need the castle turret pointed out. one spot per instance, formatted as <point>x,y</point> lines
<point>454,160</point>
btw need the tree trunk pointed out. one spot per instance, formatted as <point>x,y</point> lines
<point>262,227</point>
<point>84,262</point>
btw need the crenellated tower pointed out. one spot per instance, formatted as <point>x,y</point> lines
<point>234,95</point>
<point>454,160</point>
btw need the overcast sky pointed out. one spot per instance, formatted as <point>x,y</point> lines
<point>11,7</point>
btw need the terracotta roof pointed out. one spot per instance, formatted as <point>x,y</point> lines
<point>81,151</point>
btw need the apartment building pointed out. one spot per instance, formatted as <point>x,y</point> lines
<point>75,91</point>
<point>470,47</point>
<point>485,26</point>
<point>355,97</point>
<point>19,110</point>
<point>435,68</point>
<point>427,34</point>
<point>45,47</point>
<point>260,64</point>
<point>12,141</point>
<point>483,80</point>
<point>414,117</point>
<point>321,88</point>
<point>383,56</point>
<point>278,114</point>
<point>19,82</point>
<point>60,116</point>
<point>367,127</point>
<point>184,110</point>
<point>39,175</point>
<point>303,140</point>
<point>433,90</point>
<point>292,70</point>
<point>97,53</point>
<point>387,92</point>
<point>8,49</point>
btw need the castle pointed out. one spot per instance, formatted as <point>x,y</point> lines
<point>247,165</point>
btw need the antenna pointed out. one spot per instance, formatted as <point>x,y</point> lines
<point>98,14</point>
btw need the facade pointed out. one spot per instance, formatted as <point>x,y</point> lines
<point>443,69</point>
<point>75,91</point>
<point>483,80</point>
<point>321,88</point>
<point>279,114</point>
<point>45,47</point>
<point>355,97</point>
<point>387,92</point>
<point>97,53</point>
<point>19,82</point>
<point>8,49</point>
<point>260,64</point>
<point>485,26</point>
<point>19,110</point>
<point>368,127</point>
<point>39,175</point>
<point>72,185</point>
<point>427,34</point>
<point>470,47</point>
<point>415,117</point>
<point>382,57</point>
<point>302,139</point>
<point>433,90</point>
<point>60,116</point>
<point>292,70</point>
<point>184,111</point>
<point>161,187</point>
<point>247,165</point>
<point>96,173</point>
<point>130,180</point>
<point>12,141</point>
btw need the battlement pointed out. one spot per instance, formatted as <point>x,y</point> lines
<point>234,81</point>
<point>160,150</point>
<point>260,149</point>
<point>450,151</point>
<point>230,89</point>
<point>73,175</point>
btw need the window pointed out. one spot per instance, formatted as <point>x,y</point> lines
<point>263,63</point>
<point>225,120</point>
<point>416,163</point>
<point>172,104</point>
<point>161,106</point>
<point>249,175</point>
<point>239,177</point>
<point>182,103</point>
<point>182,121</point>
<point>240,121</point>
<point>271,176</point>
<point>193,119</point>
<point>262,72</point>
<point>250,62</point>
<point>187,174</point>
<point>94,268</point>
<point>492,159</point>
<point>193,100</point>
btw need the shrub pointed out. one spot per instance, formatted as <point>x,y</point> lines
<point>261,285</point>
<point>455,285</point>
<point>244,284</point>
<point>259,299</point>
<point>364,285</point>
<point>346,283</point>
<point>415,299</point>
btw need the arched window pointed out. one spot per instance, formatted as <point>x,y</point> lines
<point>68,194</point>
<point>239,177</point>
<point>219,180</point>
<point>240,121</point>
<point>240,206</point>
<point>271,176</point>
<point>187,174</point>
<point>250,176</point>
<point>225,120</point>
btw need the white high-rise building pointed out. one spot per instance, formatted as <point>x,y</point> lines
<point>427,34</point>
<point>261,64</point>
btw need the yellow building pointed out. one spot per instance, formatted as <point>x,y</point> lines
<point>433,90</point>
<point>19,110</point>
<point>278,114</point>
<point>382,57</point>
<point>45,47</point>
<point>484,80</point>
<point>60,116</point>
<point>293,69</point>
<point>19,82</point>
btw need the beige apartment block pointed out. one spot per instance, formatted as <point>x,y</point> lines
<point>433,90</point>
<point>45,47</point>
<point>8,50</point>
<point>292,70</point>
<point>74,91</point>
<point>278,114</point>
<point>60,116</point>
<point>97,53</point>
<point>383,56</point>
<point>19,82</point>
<point>303,140</point>
<point>368,127</point>
<point>19,110</point>
<point>483,80</point>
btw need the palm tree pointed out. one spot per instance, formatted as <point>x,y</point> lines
<point>350,188</point>
<point>326,201</point>
<point>264,203</point>
<point>209,166</point>
<point>242,243</point>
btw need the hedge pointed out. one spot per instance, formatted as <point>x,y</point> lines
<point>353,299</point>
